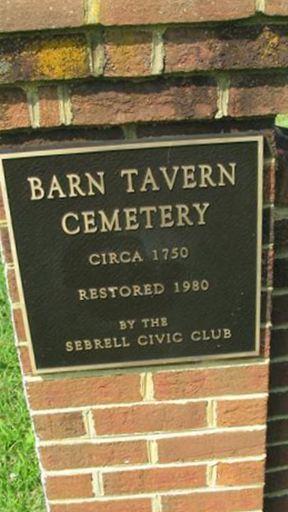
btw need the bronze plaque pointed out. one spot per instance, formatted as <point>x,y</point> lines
<point>138,254</point>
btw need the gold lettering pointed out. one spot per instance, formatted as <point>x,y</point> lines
<point>111,224</point>
<point>149,181</point>
<point>128,173</point>
<point>98,185</point>
<point>37,191</point>
<point>189,176</point>
<point>206,180</point>
<point>55,187</point>
<point>230,176</point>
<point>65,219</point>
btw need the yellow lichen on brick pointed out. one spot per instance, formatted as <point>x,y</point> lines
<point>61,59</point>
<point>128,52</point>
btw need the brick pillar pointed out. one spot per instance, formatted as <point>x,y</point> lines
<point>157,439</point>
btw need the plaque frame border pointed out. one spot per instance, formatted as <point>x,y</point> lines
<point>118,146</point>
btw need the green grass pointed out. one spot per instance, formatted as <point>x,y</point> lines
<point>20,488</point>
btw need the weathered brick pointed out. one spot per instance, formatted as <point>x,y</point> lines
<point>59,426</point>
<point>104,103</point>
<point>2,209</point>
<point>279,343</point>
<point>227,48</point>
<point>277,456</point>
<point>234,413</point>
<point>84,391</point>
<point>276,482</point>
<point>258,95</point>
<point>281,234</point>
<point>5,245</point>
<point>227,501</point>
<point>267,267</point>
<point>139,505</point>
<point>12,285</point>
<point>279,375</point>
<point>211,446</point>
<point>55,57</point>
<point>49,106</point>
<point>278,431</point>
<point>280,309</point>
<point>211,382</point>
<point>128,52</point>
<point>266,306</point>
<point>150,418</point>
<point>268,225</point>
<point>240,473</point>
<point>114,12</point>
<point>276,504</point>
<point>16,15</point>
<point>154,480</point>
<point>19,324</point>
<point>69,487</point>
<point>282,176</point>
<point>13,109</point>
<point>88,454</point>
<point>278,404</point>
<point>276,7</point>
<point>281,273</point>
<point>269,181</point>
<point>25,359</point>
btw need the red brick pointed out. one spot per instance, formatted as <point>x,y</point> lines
<point>211,382</point>
<point>277,456</point>
<point>227,48</point>
<point>132,12</point>
<point>269,181</point>
<point>267,267</point>
<point>278,404</point>
<point>104,103</point>
<point>234,413</point>
<point>279,343</point>
<point>228,501</point>
<point>154,480</point>
<point>279,375</point>
<point>19,325</point>
<point>44,57</point>
<point>49,106</point>
<point>277,482</point>
<point>211,446</point>
<point>281,234</point>
<point>128,52</point>
<point>139,505</point>
<point>282,177</point>
<point>280,310</point>
<point>12,285</point>
<point>5,245</point>
<point>59,426</point>
<point>150,418</point>
<point>25,360</point>
<point>16,15</point>
<point>69,487</point>
<point>13,108</point>
<point>276,504</point>
<point>88,454</point>
<point>240,473</point>
<point>281,273</point>
<point>276,7</point>
<point>258,95</point>
<point>84,391</point>
<point>277,431</point>
<point>2,209</point>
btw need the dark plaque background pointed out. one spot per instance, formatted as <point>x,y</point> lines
<point>53,265</point>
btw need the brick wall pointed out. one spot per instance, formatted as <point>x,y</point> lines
<point>161,439</point>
